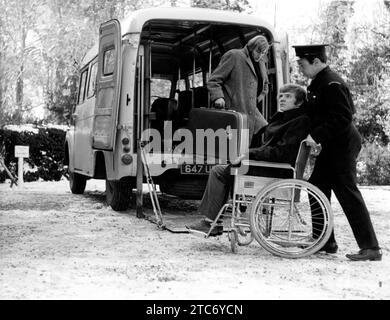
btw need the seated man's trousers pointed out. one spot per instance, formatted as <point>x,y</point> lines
<point>217,191</point>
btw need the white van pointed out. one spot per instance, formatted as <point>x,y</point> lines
<point>149,70</point>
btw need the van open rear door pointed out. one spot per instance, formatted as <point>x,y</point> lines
<point>285,58</point>
<point>108,85</point>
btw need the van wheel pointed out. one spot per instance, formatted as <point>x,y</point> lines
<point>118,194</point>
<point>77,182</point>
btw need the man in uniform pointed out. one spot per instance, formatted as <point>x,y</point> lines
<point>240,82</point>
<point>331,107</point>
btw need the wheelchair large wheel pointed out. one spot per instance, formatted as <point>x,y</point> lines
<point>291,218</point>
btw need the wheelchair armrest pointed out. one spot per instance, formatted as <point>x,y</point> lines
<point>267,164</point>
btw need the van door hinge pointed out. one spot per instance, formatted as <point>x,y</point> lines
<point>126,127</point>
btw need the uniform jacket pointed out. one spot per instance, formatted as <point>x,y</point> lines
<point>331,108</point>
<point>282,137</point>
<point>236,81</point>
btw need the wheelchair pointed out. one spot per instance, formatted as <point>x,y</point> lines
<point>288,217</point>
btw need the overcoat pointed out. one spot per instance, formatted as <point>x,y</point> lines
<point>283,136</point>
<point>236,81</point>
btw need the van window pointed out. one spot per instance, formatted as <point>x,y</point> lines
<point>160,88</point>
<point>92,81</point>
<point>83,82</point>
<point>109,60</point>
<point>198,81</point>
<point>181,85</point>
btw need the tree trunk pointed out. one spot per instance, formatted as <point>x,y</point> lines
<point>19,79</point>
<point>1,77</point>
<point>1,63</point>
<point>94,14</point>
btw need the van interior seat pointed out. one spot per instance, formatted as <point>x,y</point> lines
<point>164,109</point>
<point>201,97</point>
<point>184,104</point>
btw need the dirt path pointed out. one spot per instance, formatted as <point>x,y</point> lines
<point>55,245</point>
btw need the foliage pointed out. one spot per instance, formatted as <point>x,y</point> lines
<point>360,53</point>
<point>331,29</point>
<point>373,166</point>
<point>17,18</point>
<point>369,76</point>
<point>234,5</point>
<point>42,43</point>
<point>46,152</point>
<point>373,115</point>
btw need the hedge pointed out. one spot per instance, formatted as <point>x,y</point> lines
<point>46,152</point>
<point>373,166</point>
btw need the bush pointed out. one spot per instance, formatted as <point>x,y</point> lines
<point>46,152</point>
<point>373,167</point>
<point>3,176</point>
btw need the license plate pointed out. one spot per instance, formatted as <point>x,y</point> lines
<point>195,168</point>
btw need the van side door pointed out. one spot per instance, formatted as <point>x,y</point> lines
<point>107,85</point>
<point>285,58</point>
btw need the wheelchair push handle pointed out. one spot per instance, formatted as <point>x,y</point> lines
<point>315,148</point>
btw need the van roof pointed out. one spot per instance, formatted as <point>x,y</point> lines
<point>135,21</point>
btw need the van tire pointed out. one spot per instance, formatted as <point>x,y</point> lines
<point>118,194</point>
<point>77,182</point>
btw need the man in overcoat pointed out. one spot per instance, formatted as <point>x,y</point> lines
<point>240,82</point>
<point>331,106</point>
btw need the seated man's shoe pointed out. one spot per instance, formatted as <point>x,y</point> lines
<point>366,255</point>
<point>209,221</point>
<point>204,227</point>
<point>331,247</point>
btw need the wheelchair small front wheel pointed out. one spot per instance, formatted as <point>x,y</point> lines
<point>244,239</point>
<point>242,226</point>
<point>291,218</point>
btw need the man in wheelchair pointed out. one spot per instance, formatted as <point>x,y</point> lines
<point>282,138</point>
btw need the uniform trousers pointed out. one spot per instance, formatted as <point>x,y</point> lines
<point>347,193</point>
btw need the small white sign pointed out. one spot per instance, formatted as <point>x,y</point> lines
<point>22,151</point>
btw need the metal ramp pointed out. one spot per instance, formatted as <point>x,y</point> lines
<point>170,222</point>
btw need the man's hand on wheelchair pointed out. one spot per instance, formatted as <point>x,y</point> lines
<point>236,162</point>
<point>219,103</point>
<point>315,147</point>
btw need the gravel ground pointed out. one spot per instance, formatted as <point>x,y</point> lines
<point>56,245</point>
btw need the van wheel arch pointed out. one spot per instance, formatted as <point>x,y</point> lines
<point>77,182</point>
<point>66,155</point>
<point>100,166</point>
